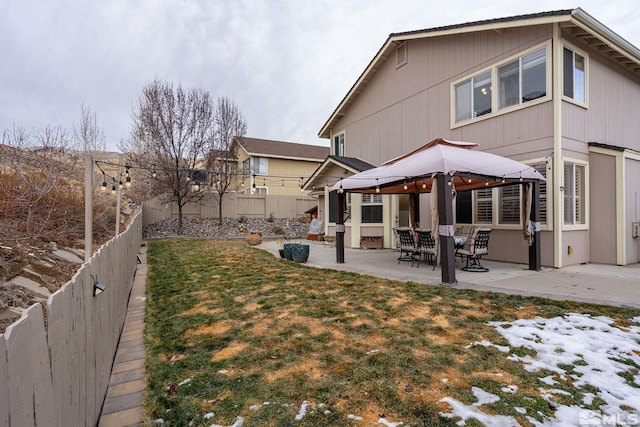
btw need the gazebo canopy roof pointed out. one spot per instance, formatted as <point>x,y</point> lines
<point>413,172</point>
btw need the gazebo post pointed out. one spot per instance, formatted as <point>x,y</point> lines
<point>342,202</point>
<point>535,262</point>
<point>445,232</point>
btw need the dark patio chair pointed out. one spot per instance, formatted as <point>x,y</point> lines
<point>407,245</point>
<point>476,249</point>
<point>426,247</point>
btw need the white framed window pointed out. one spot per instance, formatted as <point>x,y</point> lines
<point>338,145</point>
<point>483,201</point>
<point>246,167</point>
<point>574,75</point>
<point>544,208</point>
<point>509,204</point>
<point>523,80</point>
<point>372,208</point>
<point>260,165</point>
<point>473,97</point>
<point>507,85</point>
<point>574,194</point>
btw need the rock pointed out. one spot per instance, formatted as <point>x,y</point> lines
<point>231,228</point>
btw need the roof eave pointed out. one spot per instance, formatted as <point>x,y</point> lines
<point>574,16</point>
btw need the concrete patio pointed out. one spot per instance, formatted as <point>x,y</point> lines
<point>596,283</point>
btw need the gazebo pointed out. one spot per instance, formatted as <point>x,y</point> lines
<point>442,168</point>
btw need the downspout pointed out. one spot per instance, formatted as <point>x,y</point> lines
<point>557,168</point>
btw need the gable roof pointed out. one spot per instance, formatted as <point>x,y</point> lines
<point>349,164</point>
<point>577,21</point>
<point>282,149</point>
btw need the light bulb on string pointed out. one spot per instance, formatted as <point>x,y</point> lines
<point>113,186</point>
<point>103,187</point>
<point>377,187</point>
<point>424,184</point>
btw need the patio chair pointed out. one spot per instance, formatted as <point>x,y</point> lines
<point>407,245</point>
<point>472,254</point>
<point>426,247</point>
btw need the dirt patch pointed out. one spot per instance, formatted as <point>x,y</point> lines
<point>307,367</point>
<point>218,328</point>
<point>232,350</point>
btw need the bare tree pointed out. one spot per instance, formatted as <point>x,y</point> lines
<point>172,131</point>
<point>222,158</point>
<point>39,161</point>
<point>88,136</point>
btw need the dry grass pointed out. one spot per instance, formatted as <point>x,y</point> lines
<point>247,328</point>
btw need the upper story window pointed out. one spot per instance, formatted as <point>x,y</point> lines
<point>517,81</point>
<point>246,168</point>
<point>473,97</point>
<point>260,165</point>
<point>574,68</point>
<point>338,145</point>
<point>524,79</point>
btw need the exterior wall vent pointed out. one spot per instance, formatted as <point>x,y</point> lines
<point>401,55</point>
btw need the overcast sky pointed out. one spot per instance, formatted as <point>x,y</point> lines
<point>285,63</point>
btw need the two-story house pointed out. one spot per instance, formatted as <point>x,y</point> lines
<point>557,90</point>
<point>274,167</point>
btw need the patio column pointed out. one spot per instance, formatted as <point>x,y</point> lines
<point>445,229</point>
<point>535,262</point>
<point>342,203</point>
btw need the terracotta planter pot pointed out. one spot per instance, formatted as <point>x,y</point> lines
<point>254,239</point>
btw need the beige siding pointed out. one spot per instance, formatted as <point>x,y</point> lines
<point>404,108</point>
<point>290,172</point>
<point>602,182</point>
<point>579,241</point>
<point>509,246</point>
<point>632,208</point>
<point>614,102</point>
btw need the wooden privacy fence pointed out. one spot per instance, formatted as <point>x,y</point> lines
<point>233,206</point>
<point>55,367</point>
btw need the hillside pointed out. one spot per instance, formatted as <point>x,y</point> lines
<point>42,225</point>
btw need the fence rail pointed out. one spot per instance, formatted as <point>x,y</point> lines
<point>233,206</point>
<point>55,365</point>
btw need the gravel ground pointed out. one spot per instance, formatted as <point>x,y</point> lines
<point>231,228</point>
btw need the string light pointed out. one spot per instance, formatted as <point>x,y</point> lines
<point>424,184</point>
<point>113,186</point>
<point>103,187</point>
<point>503,180</point>
<point>341,190</point>
<point>405,187</point>
<point>127,182</point>
<point>196,186</point>
<point>377,186</point>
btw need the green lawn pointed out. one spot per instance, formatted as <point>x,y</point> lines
<point>232,331</point>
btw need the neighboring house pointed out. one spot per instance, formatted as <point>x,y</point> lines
<point>274,167</point>
<point>557,90</point>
